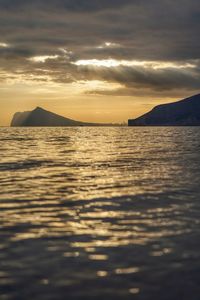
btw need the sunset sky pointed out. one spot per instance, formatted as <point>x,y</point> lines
<point>97,60</point>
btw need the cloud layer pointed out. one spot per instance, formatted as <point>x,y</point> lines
<point>45,39</point>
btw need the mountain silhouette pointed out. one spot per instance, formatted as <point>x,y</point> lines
<point>185,112</point>
<point>41,117</point>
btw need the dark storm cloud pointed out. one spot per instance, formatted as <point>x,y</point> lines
<point>15,52</point>
<point>71,5</point>
<point>144,30</point>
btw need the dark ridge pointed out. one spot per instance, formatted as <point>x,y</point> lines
<point>185,112</point>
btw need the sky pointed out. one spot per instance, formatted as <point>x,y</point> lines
<point>97,60</point>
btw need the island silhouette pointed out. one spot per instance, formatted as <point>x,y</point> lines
<point>40,117</point>
<point>185,112</point>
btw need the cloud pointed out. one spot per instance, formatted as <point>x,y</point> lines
<point>4,45</point>
<point>48,37</point>
<point>69,5</point>
<point>161,79</point>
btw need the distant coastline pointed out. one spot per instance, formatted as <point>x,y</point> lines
<point>185,112</point>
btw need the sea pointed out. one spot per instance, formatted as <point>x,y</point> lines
<point>100,213</point>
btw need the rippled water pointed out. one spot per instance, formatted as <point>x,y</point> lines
<point>100,213</point>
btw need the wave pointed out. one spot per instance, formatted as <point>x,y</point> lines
<point>23,165</point>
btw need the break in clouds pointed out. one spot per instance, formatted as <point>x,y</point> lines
<point>141,45</point>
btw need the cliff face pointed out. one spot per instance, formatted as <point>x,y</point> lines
<point>41,117</point>
<point>19,118</point>
<point>182,113</point>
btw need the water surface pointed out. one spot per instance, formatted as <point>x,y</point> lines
<point>100,213</point>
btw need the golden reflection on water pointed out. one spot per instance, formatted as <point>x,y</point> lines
<point>127,271</point>
<point>117,227</point>
<point>134,291</point>
<point>102,273</point>
<point>98,257</point>
<point>81,205</point>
